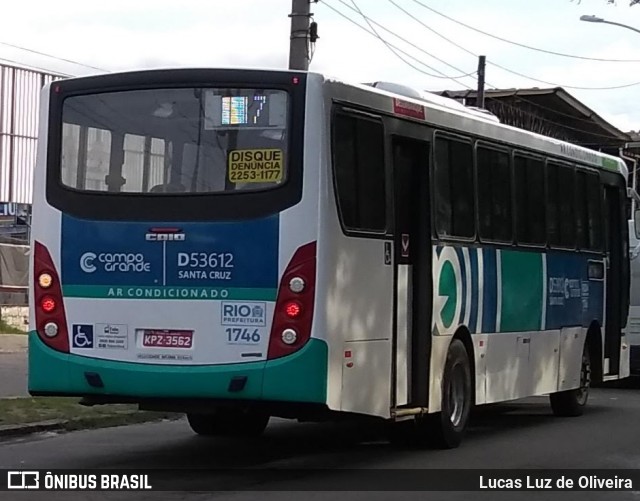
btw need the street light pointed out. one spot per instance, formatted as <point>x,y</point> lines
<point>596,19</point>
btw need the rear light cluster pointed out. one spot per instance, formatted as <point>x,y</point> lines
<point>51,321</point>
<point>291,327</point>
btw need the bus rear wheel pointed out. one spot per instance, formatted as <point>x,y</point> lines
<point>446,428</point>
<point>229,423</point>
<point>571,403</point>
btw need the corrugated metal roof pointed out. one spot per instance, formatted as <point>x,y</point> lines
<point>19,111</point>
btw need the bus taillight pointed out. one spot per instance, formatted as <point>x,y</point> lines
<point>51,321</point>
<point>293,309</point>
<point>291,327</point>
<point>48,304</point>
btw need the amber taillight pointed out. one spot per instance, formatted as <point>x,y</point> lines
<point>291,328</point>
<point>51,321</point>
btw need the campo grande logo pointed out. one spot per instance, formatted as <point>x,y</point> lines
<point>86,262</point>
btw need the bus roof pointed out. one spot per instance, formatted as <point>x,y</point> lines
<point>474,120</point>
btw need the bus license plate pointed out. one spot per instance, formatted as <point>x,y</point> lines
<point>167,339</point>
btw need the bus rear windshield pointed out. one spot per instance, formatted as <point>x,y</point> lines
<point>183,140</point>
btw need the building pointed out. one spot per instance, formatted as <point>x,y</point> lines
<point>19,112</point>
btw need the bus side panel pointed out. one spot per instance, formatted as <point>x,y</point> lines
<point>516,305</point>
<point>358,309</point>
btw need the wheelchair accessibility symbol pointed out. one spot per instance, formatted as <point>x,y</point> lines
<point>82,336</point>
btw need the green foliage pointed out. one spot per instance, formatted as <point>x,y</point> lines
<point>5,328</point>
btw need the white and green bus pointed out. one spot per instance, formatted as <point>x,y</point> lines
<point>241,244</point>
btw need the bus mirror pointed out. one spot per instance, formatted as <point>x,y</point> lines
<point>636,221</point>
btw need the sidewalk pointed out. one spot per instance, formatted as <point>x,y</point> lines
<point>30,415</point>
<point>13,343</point>
<point>13,365</point>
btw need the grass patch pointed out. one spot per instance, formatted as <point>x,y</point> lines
<point>5,328</point>
<point>15,411</point>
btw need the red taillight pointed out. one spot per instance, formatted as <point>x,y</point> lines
<point>294,310</point>
<point>48,304</point>
<point>48,295</point>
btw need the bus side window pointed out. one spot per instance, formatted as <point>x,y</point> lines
<point>554,193</point>
<point>567,207</point>
<point>358,162</point>
<point>594,207</point>
<point>561,205</point>
<point>494,195</point>
<point>582,211</point>
<point>454,188</point>
<point>531,221</point>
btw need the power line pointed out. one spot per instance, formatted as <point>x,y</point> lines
<point>386,44</point>
<point>504,68</point>
<point>412,44</point>
<point>613,87</point>
<point>502,103</point>
<point>405,41</point>
<point>561,54</point>
<point>32,67</point>
<point>394,52</point>
<point>442,75</point>
<point>431,29</point>
<point>51,56</point>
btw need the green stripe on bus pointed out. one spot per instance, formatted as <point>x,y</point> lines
<point>522,283</point>
<point>610,164</point>
<point>172,293</point>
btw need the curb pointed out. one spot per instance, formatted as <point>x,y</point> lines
<point>13,430</point>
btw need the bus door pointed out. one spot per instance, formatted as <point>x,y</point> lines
<point>412,241</point>
<point>617,274</point>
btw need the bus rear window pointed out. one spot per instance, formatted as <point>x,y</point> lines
<point>184,140</point>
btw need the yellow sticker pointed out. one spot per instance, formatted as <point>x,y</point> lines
<point>256,166</point>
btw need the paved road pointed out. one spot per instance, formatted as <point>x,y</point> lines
<point>522,435</point>
<point>13,366</point>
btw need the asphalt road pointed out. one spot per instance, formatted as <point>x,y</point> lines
<point>519,435</point>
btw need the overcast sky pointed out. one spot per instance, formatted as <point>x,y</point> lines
<point>129,34</point>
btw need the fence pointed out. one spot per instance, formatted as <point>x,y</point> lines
<point>19,112</point>
<point>14,280</point>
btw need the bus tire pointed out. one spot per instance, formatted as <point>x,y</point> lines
<point>229,424</point>
<point>571,403</point>
<point>446,428</point>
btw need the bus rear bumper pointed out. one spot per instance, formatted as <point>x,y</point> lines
<point>300,377</point>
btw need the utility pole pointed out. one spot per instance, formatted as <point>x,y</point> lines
<point>480,97</point>
<point>299,46</point>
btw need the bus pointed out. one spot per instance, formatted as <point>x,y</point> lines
<point>237,245</point>
<point>633,329</point>
<point>633,333</point>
